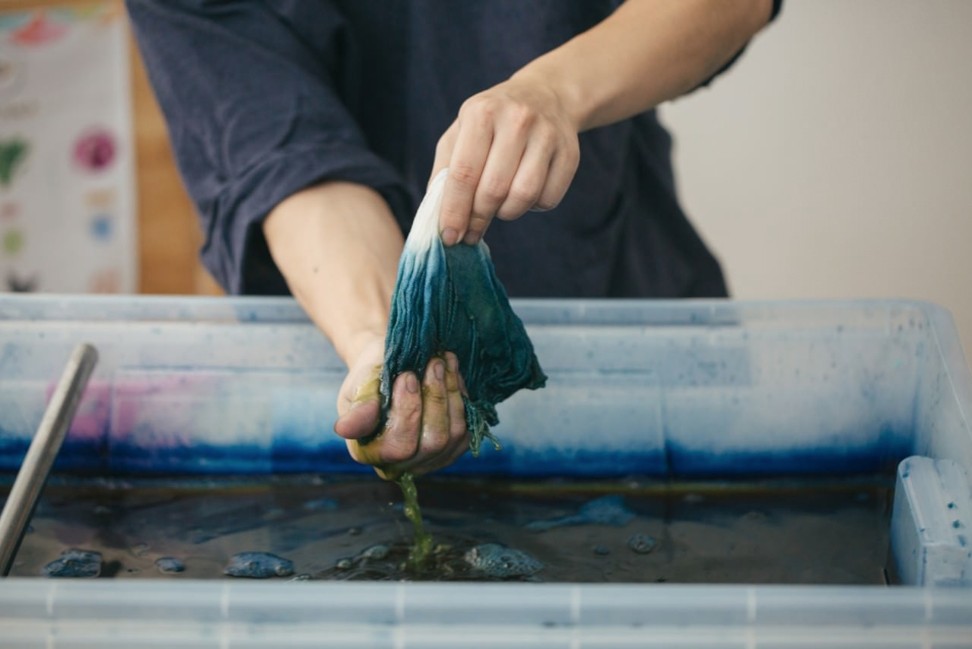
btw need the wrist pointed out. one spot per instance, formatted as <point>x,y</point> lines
<point>564,95</point>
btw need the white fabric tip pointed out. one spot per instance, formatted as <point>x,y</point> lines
<point>425,226</point>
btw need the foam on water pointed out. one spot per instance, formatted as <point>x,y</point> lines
<point>258,565</point>
<point>75,563</point>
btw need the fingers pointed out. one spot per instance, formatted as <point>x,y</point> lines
<point>427,442</point>
<point>359,411</point>
<point>494,184</point>
<point>399,439</point>
<point>543,177</point>
<point>466,162</point>
<point>509,151</point>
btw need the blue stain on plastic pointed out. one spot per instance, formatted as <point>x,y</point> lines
<point>450,300</point>
<point>258,565</point>
<point>608,510</point>
<point>75,563</point>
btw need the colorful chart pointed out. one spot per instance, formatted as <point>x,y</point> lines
<point>67,196</point>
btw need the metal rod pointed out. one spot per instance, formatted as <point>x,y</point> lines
<point>43,450</point>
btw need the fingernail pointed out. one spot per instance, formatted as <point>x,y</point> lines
<point>471,238</point>
<point>438,368</point>
<point>450,236</point>
<point>411,383</point>
<point>453,362</point>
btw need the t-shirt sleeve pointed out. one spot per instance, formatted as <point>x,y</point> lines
<point>774,12</point>
<point>252,98</point>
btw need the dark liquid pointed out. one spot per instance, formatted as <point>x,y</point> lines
<point>828,531</point>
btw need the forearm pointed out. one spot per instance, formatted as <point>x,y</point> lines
<point>647,52</point>
<point>337,244</point>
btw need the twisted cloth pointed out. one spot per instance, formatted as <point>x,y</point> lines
<point>449,299</point>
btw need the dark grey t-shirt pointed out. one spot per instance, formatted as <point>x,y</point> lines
<point>266,98</point>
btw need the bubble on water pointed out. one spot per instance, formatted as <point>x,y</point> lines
<point>169,565</point>
<point>608,510</point>
<point>344,564</point>
<point>75,563</point>
<point>375,552</point>
<point>600,550</point>
<point>258,565</point>
<point>642,543</point>
<point>139,549</point>
<point>301,577</point>
<point>500,562</point>
<point>354,531</point>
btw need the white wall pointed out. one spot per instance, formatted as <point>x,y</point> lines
<point>835,159</point>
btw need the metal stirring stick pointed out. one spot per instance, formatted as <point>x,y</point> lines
<point>43,450</point>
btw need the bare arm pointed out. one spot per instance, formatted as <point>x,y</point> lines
<point>337,245</point>
<point>514,148</point>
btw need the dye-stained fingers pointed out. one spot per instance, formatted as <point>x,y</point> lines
<point>443,431</point>
<point>359,400</point>
<point>399,440</point>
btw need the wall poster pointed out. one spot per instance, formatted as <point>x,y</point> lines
<point>67,177</point>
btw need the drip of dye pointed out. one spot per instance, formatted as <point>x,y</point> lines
<point>422,545</point>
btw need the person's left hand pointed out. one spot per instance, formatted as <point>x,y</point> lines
<point>426,426</point>
<point>513,148</point>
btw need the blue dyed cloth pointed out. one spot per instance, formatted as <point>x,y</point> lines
<point>449,299</point>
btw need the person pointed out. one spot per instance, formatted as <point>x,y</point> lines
<point>306,133</point>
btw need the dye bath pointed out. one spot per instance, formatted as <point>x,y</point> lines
<point>778,531</point>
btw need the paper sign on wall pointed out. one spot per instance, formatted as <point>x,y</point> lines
<point>67,209</point>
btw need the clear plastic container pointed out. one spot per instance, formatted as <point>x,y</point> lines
<point>681,389</point>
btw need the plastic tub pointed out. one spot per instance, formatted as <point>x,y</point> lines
<point>684,390</point>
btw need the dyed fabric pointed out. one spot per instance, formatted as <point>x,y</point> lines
<point>449,299</point>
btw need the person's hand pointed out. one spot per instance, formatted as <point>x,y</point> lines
<point>513,148</point>
<point>426,427</point>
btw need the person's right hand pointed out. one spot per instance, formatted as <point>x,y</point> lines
<point>426,425</point>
